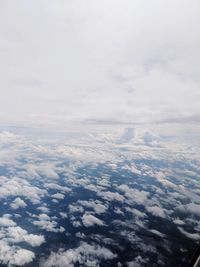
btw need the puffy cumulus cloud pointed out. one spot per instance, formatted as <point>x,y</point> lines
<point>57,187</point>
<point>90,220</point>
<point>191,208</point>
<point>133,168</point>
<point>16,235</point>
<point>20,187</point>
<point>63,215</point>
<point>110,196</point>
<point>150,139</point>
<point>123,136</point>
<point>5,221</point>
<point>75,223</point>
<point>137,262</point>
<point>75,208</point>
<point>18,203</point>
<point>80,235</point>
<point>43,217</point>
<point>54,200</point>
<point>13,255</point>
<point>46,169</point>
<point>101,239</point>
<point>161,176</point>
<point>136,212</point>
<point>127,135</point>
<point>85,254</point>
<point>95,205</point>
<point>156,211</point>
<point>133,194</point>
<point>43,209</point>
<point>22,256</point>
<point>11,234</point>
<point>131,135</point>
<point>58,196</point>
<point>104,181</point>
<point>44,222</point>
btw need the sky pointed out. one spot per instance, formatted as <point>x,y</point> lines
<point>100,62</point>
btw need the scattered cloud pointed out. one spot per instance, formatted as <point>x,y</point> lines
<point>90,220</point>
<point>10,255</point>
<point>18,203</point>
<point>84,254</point>
<point>194,236</point>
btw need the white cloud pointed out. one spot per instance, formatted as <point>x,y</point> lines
<point>20,187</point>
<point>178,222</point>
<point>191,208</point>
<point>11,255</point>
<point>48,225</point>
<point>90,220</point>
<point>97,207</point>
<point>155,201</point>
<point>22,256</point>
<point>58,196</point>
<point>11,234</point>
<point>156,211</point>
<point>133,169</point>
<point>75,223</point>
<point>7,137</point>
<point>156,232</point>
<point>137,262</point>
<point>111,196</point>
<point>43,217</point>
<point>43,209</point>
<point>16,235</point>
<point>127,135</point>
<point>63,215</point>
<point>162,178</point>
<point>75,208</point>
<point>85,254</point>
<point>136,212</point>
<point>194,236</point>
<point>18,203</point>
<point>57,187</point>
<point>144,56</point>
<point>48,170</point>
<point>140,197</point>
<point>4,221</point>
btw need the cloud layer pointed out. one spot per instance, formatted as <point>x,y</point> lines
<point>99,61</point>
<point>84,201</point>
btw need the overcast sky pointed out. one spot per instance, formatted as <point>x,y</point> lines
<point>112,61</point>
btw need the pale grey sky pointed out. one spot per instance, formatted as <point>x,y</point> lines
<point>128,61</point>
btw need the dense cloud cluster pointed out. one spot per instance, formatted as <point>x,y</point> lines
<point>130,202</point>
<point>11,234</point>
<point>85,254</point>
